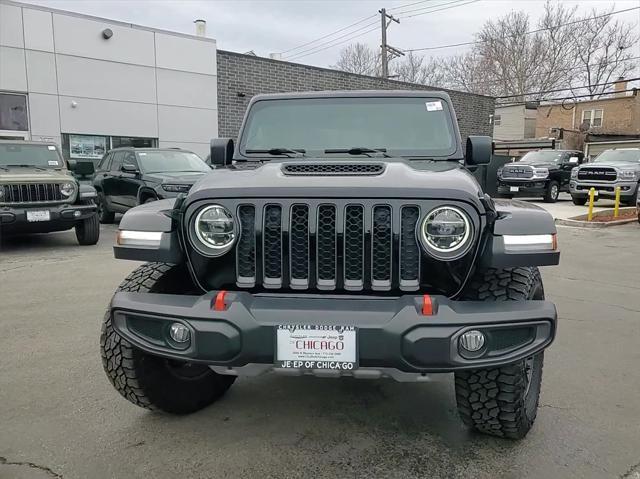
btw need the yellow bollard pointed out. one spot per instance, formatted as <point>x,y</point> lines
<point>592,194</point>
<point>616,208</point>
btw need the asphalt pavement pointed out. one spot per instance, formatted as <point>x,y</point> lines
<point>60,417</point>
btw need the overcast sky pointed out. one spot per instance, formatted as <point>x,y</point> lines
<point>267,26</point>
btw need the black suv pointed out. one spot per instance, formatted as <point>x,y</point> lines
<point>127,177</point>
<point>539,173</point>
<point>343,237</point>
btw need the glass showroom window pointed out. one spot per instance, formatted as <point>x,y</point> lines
<point>13,113</point>
<point>136,142</point>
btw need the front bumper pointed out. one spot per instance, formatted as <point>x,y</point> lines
<point>525,187</point>
<point>392,333</point>
<point>13,218</point>
<point>605,189</point>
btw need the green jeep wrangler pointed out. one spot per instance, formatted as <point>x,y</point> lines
<point>39,194</point>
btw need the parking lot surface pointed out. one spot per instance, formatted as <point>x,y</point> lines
<point>60,417</point>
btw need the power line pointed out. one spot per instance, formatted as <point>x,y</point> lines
<point>329,34</point>
<point>565,89</point>
<point>303,52</point>
<point>296,57</point>
<point>568,97</point>
<point>438,9</point>
<point>422,8</point>
<point>525,33</point>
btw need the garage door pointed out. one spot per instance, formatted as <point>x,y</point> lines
<point>594,149</point>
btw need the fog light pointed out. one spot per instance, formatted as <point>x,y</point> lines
<point>472,341</point>
<point>77,213</point>
<point>179,333</point>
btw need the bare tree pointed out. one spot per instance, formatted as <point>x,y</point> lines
<point>414,68</point>
<point>358,58</point>
<point>603,50</point>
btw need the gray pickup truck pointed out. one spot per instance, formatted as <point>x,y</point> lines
<point>342,236</point>
<point>611,169</point>
<point>39,194</point>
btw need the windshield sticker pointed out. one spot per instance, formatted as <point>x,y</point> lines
<point>52,148</point>
<point>434,105</point>
<point>52,163</point>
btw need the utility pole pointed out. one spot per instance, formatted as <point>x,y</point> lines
<point>385,21</point>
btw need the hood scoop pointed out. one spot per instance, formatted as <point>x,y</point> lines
<point>333,169</point>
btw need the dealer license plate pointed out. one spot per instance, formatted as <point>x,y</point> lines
<point>35,216</point>
<point>514,189</point>
<point>316,347</point>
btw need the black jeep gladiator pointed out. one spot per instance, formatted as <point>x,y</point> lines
<point>343,236</point>
<point>542,173</point>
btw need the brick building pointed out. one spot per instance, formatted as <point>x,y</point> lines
<point>241,76</point>
<point>615,117</point>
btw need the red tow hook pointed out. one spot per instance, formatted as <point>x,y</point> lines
<point>219,304</point>
<point>427,305</point>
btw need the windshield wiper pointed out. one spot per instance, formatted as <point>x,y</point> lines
<point>279,151</point>
<point>359,150</point>
<point>28,166</point>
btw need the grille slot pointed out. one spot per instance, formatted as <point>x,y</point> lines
<point>299,247</point>
<point>409,250</point>
<point>381,248</point>
<point>272,246</point>
<point>354,248</point>
<point>333,169</point>
<point>246,253</point>
<point>326,245</point>
<point>31,193</point>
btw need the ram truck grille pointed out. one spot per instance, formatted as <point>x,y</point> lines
<point>332,246</point>
<point>20,193</point>
<point>511,171</point>
<point>597,174</point>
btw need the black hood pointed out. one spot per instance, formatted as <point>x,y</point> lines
<point>418,179</point>
<point>535,163</point>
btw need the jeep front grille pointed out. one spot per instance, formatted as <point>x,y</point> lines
<point>328,245</point>
<point>513,171</point>
<point>597,174</point>
<point>30,193</point>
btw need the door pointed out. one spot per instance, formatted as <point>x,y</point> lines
<point>111,183</point>
<point>130,180</point>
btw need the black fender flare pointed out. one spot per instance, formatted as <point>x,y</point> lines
<point>144,192</point>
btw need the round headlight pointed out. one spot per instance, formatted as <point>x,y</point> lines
<point>215,229</point>
<point>67,189</point>
<point>446,233</point>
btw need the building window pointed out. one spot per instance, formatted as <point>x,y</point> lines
<point>13,112</point>
<point>593,118</point>
<point>93,147</point>
<point>497,120</point>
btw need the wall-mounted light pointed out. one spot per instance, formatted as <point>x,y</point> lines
<point>241,94</point>
<point>107,33</point>
<point>74,104</point>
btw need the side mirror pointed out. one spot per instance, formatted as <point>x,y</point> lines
<point>83,168</point>
<point>129,168</point>
<point>479,150</point>
<point>221,154</point>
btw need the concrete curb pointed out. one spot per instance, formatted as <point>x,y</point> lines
<point>581,221</point>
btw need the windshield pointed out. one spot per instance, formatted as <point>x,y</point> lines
<point>42,156</point>
<point>399,126</point>
<point>542,156</point>
<point>618,156</point>
<point>170,161</point>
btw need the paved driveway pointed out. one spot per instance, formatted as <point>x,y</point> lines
<point>59,416</point>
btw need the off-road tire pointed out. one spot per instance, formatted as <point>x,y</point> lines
<point>88,230</point>
<point>502,401</point>
<point>579,201</point>
<point>150,381</point>
<point>105,216</point>
<point>552,192</point>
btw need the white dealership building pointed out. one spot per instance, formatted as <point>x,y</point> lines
<point>92,84</point>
